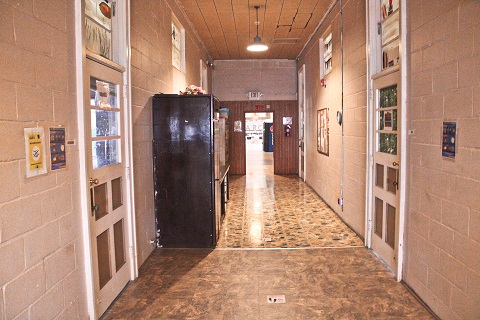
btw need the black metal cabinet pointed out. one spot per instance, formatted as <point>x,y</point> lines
<point>186,205</point>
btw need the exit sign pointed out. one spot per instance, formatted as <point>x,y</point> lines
<point>259,107</point>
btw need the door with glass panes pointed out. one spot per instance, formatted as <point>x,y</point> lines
<point>106,173</point>
<point>386,195</point>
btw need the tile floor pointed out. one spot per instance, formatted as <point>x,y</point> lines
<point>271,211</point>
<point>312,258</point>
<point>328,283</point>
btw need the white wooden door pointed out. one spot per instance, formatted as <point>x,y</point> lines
<point>386,195</point>
<point>106,171</point>
<point>301,112</point>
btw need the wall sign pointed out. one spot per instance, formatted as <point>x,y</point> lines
<point>58,157</point>
<point>322,131</point>
<point>237,126</point>
<point>449,139</point>
<point>287,120</point>
<point>35,151</point>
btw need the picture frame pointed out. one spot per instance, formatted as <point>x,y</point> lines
<point>323,131</point>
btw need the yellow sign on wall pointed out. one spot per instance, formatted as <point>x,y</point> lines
<point>35,151</point>
<point>35,145</point>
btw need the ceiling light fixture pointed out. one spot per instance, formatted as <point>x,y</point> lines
<point>257,44</point>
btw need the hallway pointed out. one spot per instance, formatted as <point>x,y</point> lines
<point>272,211</point>
<point>329,276</point>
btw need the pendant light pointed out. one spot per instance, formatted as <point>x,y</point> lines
<point>257,44</point>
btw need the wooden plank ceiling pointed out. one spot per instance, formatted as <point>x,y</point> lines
<point>227,27</point>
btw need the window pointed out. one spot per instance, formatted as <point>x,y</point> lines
<point>178,45</point>
<point>325,55</point>
<point>98,28</point>
<point>389,32</point>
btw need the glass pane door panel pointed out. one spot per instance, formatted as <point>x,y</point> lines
<point>101,202</point>
<point>103,94</point>
<point>378,223</point>
<point>388,97</point>
<point>104,270</point>
<point>105,123</point>
<point>105,152</point>
<point>387,143</point>
<point>391,218</point>
<point>388,120</point>
<point>119,244</point>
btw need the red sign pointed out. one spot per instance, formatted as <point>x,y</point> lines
<point>259,107</point>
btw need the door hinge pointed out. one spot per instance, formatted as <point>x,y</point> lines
<point>370,92</point>
<point>127,173</point>
<point>370,161</point>
<point>125,91</point>
<point>379,28</point>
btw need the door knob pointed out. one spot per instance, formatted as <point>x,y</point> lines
<point>93,181</point>
<point>396,163</point>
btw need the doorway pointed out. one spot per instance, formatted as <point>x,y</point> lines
<point>301,124</point>
<point>105,154</point>
<point>259,143</point>
<point>387,147</point>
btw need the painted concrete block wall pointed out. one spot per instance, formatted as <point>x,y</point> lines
<point>41,251</point>
<point>152,72</point>
<point>324,173</point>
<point>276,79</point>
<point>443,221</point>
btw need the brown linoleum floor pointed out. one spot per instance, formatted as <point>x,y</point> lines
<point>340,283</point>
<point>312,258</point>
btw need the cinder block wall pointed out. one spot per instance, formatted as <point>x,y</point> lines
<point>41,252</point>
<point>324,173</point>
<point>443,221</point>
<point>276,79</point>
<point>152,72</point>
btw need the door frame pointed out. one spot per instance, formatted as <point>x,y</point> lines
<point>80,63</point>
<point>302,93</point>
<point>373,64</point>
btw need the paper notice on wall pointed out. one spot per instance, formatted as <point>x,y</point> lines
<point>35,152</point>
<point>103,91</point>
<point>237,126</point>
<point>58,158</point>
<point>449,139</point>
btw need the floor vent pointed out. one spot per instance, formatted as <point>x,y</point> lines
<point>276,298</point>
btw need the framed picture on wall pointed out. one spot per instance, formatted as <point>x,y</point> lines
<point>322,131</point>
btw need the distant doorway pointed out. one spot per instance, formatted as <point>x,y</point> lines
<point>259,143</point>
